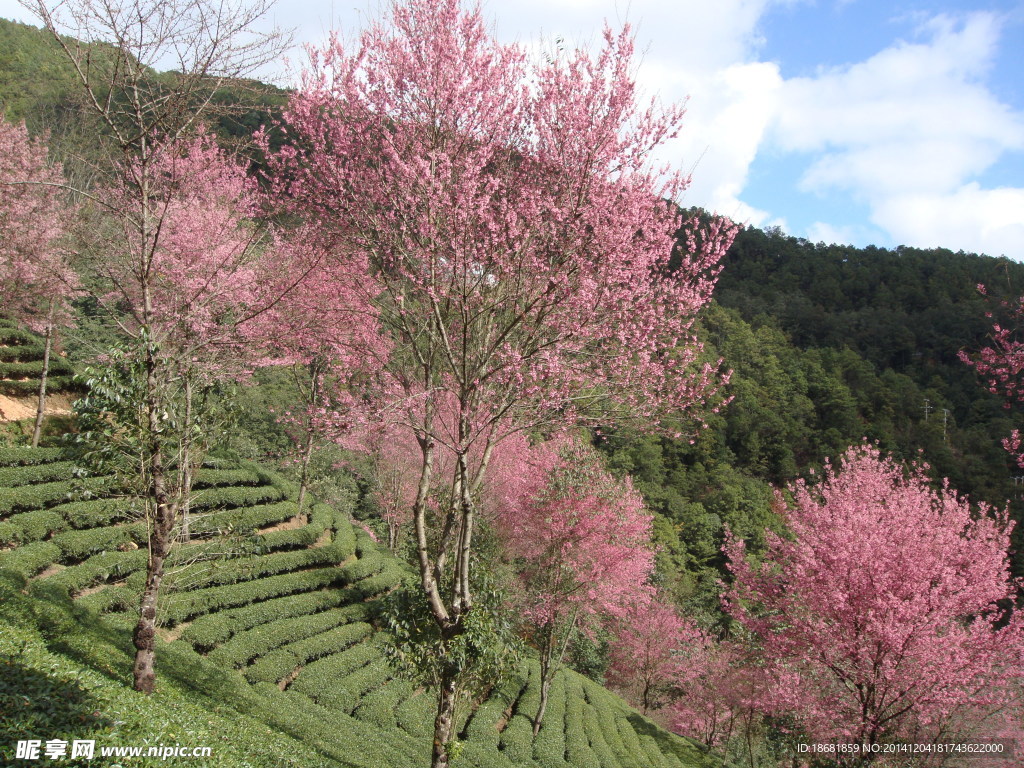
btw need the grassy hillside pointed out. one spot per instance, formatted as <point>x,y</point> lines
<point>269,653</point>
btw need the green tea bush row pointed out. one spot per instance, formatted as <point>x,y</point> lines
<point>29,497</point>
<point>605,755</point>
<point>279,663</point>
<point>517,740</point>
<point>78,545</point>
<point>188,606</point>
<point>577,748</point>
<point>415,715</point>
<point>370,563</point>
<point>332,641</point>
<point>243,521</point>
<point>378,706</point>
<point>22,456</point>
<point>31,350</point>
<point>94,513</point>
<point>346,693</point>
<point>11,335</point>
<point>316,680</point>
<point>26,387</point>
<point>604,710</point>
<point>207,632</point>
<point>236,496</point>
<point>29,560</point>
<point>389,578</point>
<point>100,568</point>
<point>483,722</point>
<point>473,755</point>
<point>245,646</point>
<point>243,569</point>
<point>112,598</point>
<point>32,526</point>
<point>357,743</point>
<point>212,477</point>
<point>321,518</point>
<point>29,474</point>
<point>33,368</point>
<point>549,746</point>
<point>344,534</point>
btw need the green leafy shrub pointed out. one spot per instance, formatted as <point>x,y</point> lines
<point>207,632</point>
<point>30,474</point>
<point>549,746</point>
<point>30,526</point>
<point>187,606</point>
<point>517,740</point>
<point>29,560</point>
<point>243,647</point>
<point>100,568</point>
<point>213,477</point>
<point>21,456</point>
<point>77,545</point>
<point>30,497</point>
<point>235,496</point>
<point>378,707</point>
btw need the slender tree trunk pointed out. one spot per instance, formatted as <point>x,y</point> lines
<point>552,654</point>
<point>186,462</point>
<point>315,380</point>
<point>444,722</point>
<point>144,636</point>
<point>47,347</point>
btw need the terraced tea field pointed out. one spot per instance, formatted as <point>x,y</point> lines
<point>267,629</point>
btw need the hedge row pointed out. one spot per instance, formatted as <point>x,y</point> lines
<point>36,473</point>
<point>78,545</point>
<point>243,521</point>
<point>207,632</point>
<point>357,743</point>
<point>280,663</point>
<point>27,527</point>
<point>21,456</point>
<point>13,353</point>
<point>517,740</point>
<point>236,496</point>
<point>31,497</point>
<point>415,715</point>
<point>29,560</point>
<point>483,722</point>
<point>31,387</point>
<point>598,743</point>
<point>34,368</point>
<point>213,477</point>
<point>319,679</point>
<point>321,517</point>
<point>244,569</point>
<point>603,713</point>
<point>96,513</point>
<point>549,746</point>
<point>577,748</point>
<point>378,707</point>
<point>390,577</point>
<point>187,606</point>
<point>246,646</point>
<point>345,694</point>
<point>101,568</point>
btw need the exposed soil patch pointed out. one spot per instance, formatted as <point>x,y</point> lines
<point>283,684</point>
<point>323,541</point>
<point>49,571</point>
<point>18,408</point>
<point>172,634</point>
<point>288,525</point>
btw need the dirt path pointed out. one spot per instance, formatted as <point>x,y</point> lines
<point>18,408</point>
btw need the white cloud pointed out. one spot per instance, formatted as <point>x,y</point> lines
<point>908,132</point>
<point>971,218</point>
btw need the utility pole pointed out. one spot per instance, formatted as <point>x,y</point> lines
<point>945,419</point>
<point>928,408</point>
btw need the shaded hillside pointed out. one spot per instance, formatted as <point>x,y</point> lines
<point>269,621</point>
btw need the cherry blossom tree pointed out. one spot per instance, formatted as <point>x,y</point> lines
<point>669,667</point>
<point>182,273</point>
<point>882,615</point>
<point>1002,365</point>
<point>149,124</point>
<point>518,245</point>
<point>580,544</point>
<point>37,282</point>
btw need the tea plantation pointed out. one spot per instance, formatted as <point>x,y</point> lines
<point>269,653</point>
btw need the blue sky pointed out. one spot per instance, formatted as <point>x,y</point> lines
<point>856,121</point>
